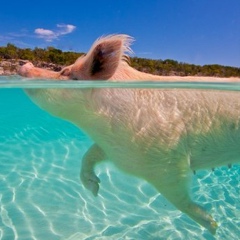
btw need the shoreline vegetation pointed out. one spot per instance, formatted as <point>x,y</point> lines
<point>12,57</point>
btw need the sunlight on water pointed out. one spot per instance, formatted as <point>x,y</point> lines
<point>41,196</point>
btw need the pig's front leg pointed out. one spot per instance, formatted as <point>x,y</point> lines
<point>88,177</point>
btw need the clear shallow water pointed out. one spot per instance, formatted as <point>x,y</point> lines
<point>41,196</point>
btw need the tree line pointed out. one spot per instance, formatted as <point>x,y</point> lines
<point>49,55</point>
<point>170,67</point>
<point>158,67</point>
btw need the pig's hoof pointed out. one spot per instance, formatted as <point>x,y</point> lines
<point>90,181</point>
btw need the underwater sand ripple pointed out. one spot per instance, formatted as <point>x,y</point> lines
<point>44,196</point>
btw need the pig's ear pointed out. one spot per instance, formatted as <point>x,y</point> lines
<point>105,56</point>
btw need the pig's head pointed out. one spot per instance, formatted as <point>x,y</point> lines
<point>106,58</point>
<point>28,70</point>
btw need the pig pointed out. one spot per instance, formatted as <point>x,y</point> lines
<point>160,135</point>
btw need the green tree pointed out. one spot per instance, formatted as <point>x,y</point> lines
<point>26,54</point>
<point>10,51</point>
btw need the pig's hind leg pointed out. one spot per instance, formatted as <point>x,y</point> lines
<point>174,185</point>
<point>88,177</point>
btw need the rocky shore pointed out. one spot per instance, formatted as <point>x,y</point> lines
<point>11,66</point>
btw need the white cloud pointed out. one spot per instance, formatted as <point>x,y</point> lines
<point>50,35</point>
<point>66,28</point>
<point>5,38</point>
<point>44,32</point>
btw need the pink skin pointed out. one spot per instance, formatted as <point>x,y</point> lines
<point>28,70</point>
<point>158,135</point>
<point>107,60</point>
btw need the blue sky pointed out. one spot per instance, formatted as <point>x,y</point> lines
<point>192,31</point>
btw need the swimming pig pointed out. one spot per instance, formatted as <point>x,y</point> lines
<point>160,135</point>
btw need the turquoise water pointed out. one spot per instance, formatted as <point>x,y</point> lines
<point>41,196</point>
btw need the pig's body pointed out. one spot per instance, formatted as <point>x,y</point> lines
<point>161,136</point>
